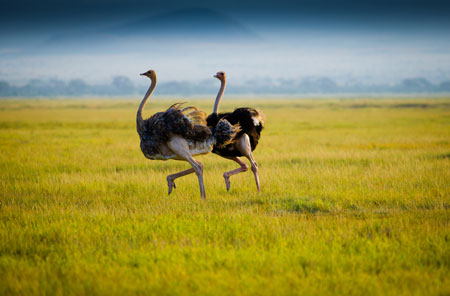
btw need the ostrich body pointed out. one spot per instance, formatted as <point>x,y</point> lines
<point>179,133</point>
<point>248,123</point>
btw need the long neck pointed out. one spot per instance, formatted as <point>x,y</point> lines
<point>219,96</point>
<point>139,119</point>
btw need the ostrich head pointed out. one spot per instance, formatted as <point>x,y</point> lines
<point>220,75</point>
<point>150,74</point>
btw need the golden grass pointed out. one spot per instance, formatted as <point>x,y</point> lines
<point>355,200</point>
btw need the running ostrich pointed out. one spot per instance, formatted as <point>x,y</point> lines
<point>249,123</point>
<point>179,133</point>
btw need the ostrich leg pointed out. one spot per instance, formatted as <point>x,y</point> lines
<point>227,175</point>
<point>254,169</point>
<point>243,145</point>
<point>171,178</point>
<point>180,147</point>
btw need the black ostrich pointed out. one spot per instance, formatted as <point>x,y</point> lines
<point>179,133</point>
<point>248,123</point>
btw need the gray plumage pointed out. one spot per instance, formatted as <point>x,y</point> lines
<point>190,124</point>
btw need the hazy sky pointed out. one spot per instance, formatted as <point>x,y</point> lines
<point>349,41</point>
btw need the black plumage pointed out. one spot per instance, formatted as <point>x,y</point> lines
<point>248,124</point>
<point>245,120</point>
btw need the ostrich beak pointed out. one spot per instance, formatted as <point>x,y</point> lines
<point>215,76</point>
<point>143,74</point>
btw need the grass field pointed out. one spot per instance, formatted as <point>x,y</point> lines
<point>355,200</point>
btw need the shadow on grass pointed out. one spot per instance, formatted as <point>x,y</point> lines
<point>443,156</point>
<point>326,162</point>
<point>300,205</point>
<point>306,204</point>
<point>412,105</point>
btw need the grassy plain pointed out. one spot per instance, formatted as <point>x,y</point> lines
<point>355,200</point>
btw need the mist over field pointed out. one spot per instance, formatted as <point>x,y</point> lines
<point>100,47</point>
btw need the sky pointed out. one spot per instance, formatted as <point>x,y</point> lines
<point>369,42</point>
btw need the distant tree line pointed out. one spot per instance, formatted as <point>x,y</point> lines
<point>121,85</point>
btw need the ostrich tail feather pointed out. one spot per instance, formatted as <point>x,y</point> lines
<point>224,132</point>
<point>196,116</point>
<point>258,118</point>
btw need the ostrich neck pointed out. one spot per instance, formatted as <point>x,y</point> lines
<point>139,119</point>
<point>219,96</point>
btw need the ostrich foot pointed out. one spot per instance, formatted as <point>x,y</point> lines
<point>227,181</point>
<point>171,185</point>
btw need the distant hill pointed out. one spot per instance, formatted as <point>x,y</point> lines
<point>196,24</point>
<point>187,23</point>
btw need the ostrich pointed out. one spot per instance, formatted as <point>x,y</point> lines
<point>179,133</point>
<point>249,123</point>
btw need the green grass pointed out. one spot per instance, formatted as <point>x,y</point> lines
<point>355,200</point>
